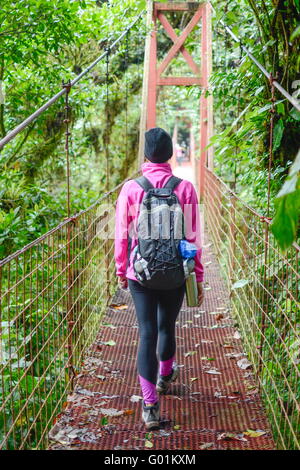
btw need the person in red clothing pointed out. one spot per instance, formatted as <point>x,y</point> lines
<point>156,310</point>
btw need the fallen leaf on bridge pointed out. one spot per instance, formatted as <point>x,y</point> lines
<point>218,394</point>
<point>109,325</point>
<point>67,434</point>
<point>110,397</point>
<point>135,398</point>
<point>89,437</point>
<point>229,436</point>
<point>114,412</point>
<point>213,371</point>
<point>234,355</point>
<point>244,364</point>
<point>111,412</point>
<point>111,342</point>
<point>190,353</point>
<point>207,445</point>
<point>164,433</point>
<point>256,433</point>
<point>119,306</point>
<point>148,444</point>
<point>87,393</point>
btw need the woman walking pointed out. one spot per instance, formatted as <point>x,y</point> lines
<point>156,308</point>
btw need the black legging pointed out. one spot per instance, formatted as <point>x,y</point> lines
<point>156,312</point>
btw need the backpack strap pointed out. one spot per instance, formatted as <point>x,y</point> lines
<point>173,182</point>
<point>144,183</point>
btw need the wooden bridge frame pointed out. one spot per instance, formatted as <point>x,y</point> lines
<point>153,72</point>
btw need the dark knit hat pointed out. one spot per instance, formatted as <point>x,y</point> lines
<point>158,145</point>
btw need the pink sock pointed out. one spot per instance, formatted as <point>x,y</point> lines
<point>165,367</point>
<point>148,390</point>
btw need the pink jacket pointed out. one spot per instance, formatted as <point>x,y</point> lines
<point>127,210</point>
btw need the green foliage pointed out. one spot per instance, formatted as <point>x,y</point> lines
<point>286,221</point>
<point>242,101</point>
<point>278,134</point>
<point>41,45</point>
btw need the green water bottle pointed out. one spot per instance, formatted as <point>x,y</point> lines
<point>191,290</point>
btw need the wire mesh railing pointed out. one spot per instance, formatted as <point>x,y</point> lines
<point>53,294</point>
<point>264,285</point>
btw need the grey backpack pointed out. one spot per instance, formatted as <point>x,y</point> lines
<point>157,262</point>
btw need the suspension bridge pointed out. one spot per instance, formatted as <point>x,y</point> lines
<point>69,336</point>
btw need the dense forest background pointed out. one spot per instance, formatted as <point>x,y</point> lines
<point>44,43</point>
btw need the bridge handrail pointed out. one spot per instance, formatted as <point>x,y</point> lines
<point>267,220</point>
<point>264,288</point>
<point>65,222</point>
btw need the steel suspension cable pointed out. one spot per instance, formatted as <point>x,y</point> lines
<point>272,118</point>
<point>67,87</point>
<point>265,300</point>
<point>106,138</point>
<point>126,100</point>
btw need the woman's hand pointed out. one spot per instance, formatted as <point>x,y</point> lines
<point>200,293</point>
<point>122,282</point>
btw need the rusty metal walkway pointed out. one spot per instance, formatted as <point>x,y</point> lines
<point>214,405</point>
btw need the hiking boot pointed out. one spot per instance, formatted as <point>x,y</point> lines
<point>150,416</point>
<point>164,381</point>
